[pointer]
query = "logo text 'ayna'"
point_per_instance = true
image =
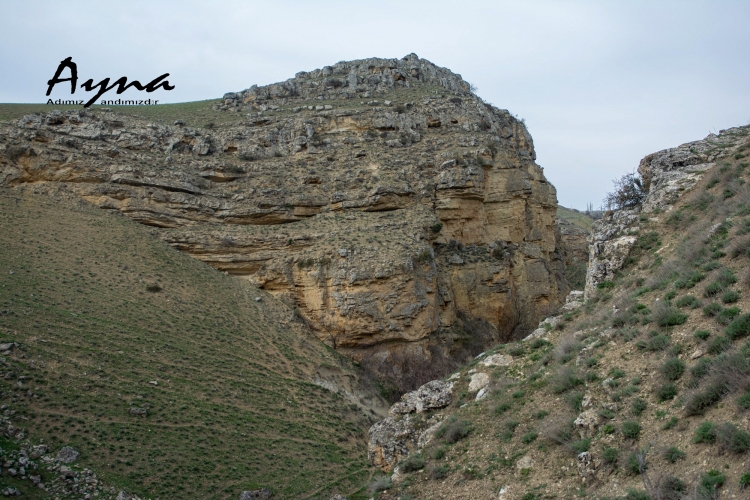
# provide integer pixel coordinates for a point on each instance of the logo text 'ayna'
(104, 86)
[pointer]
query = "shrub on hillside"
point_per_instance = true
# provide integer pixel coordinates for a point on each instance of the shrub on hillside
(739, 327)
(666, 315)
(731, 439)
(565, 379)
(673, 368)
(690, 301)
(629, 193)
(631, 429)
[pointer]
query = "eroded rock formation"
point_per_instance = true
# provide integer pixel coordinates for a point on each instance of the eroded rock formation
(403, 216)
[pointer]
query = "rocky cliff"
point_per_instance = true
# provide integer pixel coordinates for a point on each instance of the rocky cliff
(405, 218)
(666, 175)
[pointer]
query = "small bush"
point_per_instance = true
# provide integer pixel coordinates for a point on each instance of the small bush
(670, 424)
(559, 430)
(718, 345)
(730, 297)
(567, 349)
(502, 408)
(705, 433)
(529, 437)
(380, 484)
(671, 488)
(412, 463)
(608, 429)
(631, 430)
(710, 482)
(672, 369)
(456, 430)
(609, 455)
(673, 454)
(439, 471)
(541, 414)
(633, 464)
(657, 343)
(580, 446)
(633, 494)
(702, 401)
(727, 315)
(575, 400)
(744, 401)
(438, 453)
(616, 373)
(726, 277)
(666, 392)
(435, 228)
(688, 301)
(712, 309)
(739, 328)
(745, 480)
(713, 289)
(565, 379)
(701, 369)
(638, 406)
(701, 334)
(731, 439)
(665, 315)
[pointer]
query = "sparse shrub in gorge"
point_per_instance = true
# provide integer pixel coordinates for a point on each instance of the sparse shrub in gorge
(731, 439)
(578, 447)
(565, 379)
(727, 315)
(666, 315)
(633, 464)
(575, 400)
(744, 401)
(673, 454)
(730, 297)
(610, 455)
(439, 471)
(745, 480)
(412, 463)
(529, 437)
(638, 406)
(712, 309)
(718, 345)
(631, 430)
(670, 424)
(455, 431)
(666, 392)
(672, 369)
(656, 343)
(502, 408)
(671, 488)
(710, 482)
(633, 494)
(705, 433)
(713, 289)
(739, 328)
(702, 401)
(380, 484)
(688, 301)
(702, 334)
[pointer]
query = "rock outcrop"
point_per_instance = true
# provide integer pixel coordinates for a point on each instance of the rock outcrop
(404, 217)
(667, 175)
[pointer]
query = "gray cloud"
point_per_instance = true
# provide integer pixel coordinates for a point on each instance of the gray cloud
(600, 84)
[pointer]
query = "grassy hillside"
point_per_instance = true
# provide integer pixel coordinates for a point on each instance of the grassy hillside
(578, 219)
(655, 367)
(194, 114)
(110, 318)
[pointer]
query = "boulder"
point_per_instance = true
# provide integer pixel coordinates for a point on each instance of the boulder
(261, 494)
(390, 441)
(478, 381)
(432, 395)
(67, 455)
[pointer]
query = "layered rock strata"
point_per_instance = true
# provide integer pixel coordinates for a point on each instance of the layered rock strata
(405, 218)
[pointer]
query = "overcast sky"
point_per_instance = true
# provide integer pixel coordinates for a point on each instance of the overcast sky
(600, 84)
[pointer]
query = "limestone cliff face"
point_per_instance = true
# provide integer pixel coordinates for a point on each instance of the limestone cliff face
(403, 216)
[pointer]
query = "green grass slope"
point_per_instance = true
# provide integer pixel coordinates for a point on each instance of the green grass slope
(576, 218)
(102, 309)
